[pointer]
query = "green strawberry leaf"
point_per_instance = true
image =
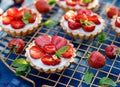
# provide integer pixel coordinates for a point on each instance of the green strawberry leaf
(87, 1)
(102, 37)
(61, 50)
(51, 2)
(107, 81)
(49, 23)
(88, 77)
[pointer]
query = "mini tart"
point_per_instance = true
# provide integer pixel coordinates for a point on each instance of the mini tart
(27, 29)
(40, 66)
(80, 33)
(115, 28)
(93, 5)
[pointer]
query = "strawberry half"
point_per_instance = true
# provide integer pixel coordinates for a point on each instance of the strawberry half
(71, 2)
(49, 60)
(73, 25)
(33, 18)
(7, 19)
(42, 40)
(17, 24)
(84, 11)
(69, 15)
(88, 28)
(96, 60)
(94, 18)
(117, 22)
(59, 41)
(49, 48)
(111, 51)
(12, 11)
(69, 53)
(36, 52)
(82, 17)
(16, 45)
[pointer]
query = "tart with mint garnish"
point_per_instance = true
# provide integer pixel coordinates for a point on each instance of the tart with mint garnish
(20, 22)
(50, 54)
(83, 23)
(77, 4)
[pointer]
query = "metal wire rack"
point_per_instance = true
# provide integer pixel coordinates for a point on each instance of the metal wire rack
(73, 75)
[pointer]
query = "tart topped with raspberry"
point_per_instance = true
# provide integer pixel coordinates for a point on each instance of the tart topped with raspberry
(115, 22)
(77, 4)
(19, 22)
(50, 53)
(83, 23)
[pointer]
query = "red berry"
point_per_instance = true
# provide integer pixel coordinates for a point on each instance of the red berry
(16, 45)
(36, 52)
(96, 60)
(49, 48)
(18, 2)
(7, 19)
(117, 22)
(49, 60)
(73, 25)
(112, 11)
(59, 41)
(42, 40)
(88, 28)
(94, 18)
(33, 18)
(70, 15)
(71, 2)
(82, 17)
(12, 11)
(111, 51)
(42, 6)
(17, 24)
(69, 53)
(84, 11)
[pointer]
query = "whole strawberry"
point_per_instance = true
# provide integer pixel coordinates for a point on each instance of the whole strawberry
(96, 60)
(16, 45)
(111, 51)
(18, 2)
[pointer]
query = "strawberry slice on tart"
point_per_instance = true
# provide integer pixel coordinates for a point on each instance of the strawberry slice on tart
(94, 18)
(117, 22)
(71, 2)
(70, 15)
(84, 11)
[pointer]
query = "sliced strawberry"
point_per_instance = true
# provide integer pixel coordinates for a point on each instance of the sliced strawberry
(20, 13)
(36, 52)
(33, 18)
(84, 11)
(88, 28)
(42, 40)
(49, 60)
(81, 3)
(69, 15)
(17, 24)
(119, 14)
(82, 17)
(69, 53)
(71, 2)
(73, 25)
(112, 11)
(49, 48)
(117, 22)
(7, 19)
(12, 11)
(94, 18)
(59, 41)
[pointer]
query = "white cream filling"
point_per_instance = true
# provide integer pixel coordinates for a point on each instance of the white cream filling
(80, 30)
(63, 3)
(26, 27)
(39, 64)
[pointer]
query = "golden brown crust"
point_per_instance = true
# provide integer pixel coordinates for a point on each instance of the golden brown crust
(79, 35)
(50, 70)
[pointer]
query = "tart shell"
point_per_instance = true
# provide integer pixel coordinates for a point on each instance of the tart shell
(49, 70)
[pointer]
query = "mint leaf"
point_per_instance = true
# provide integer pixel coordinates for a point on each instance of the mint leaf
(49, 23)
(102, 37)
(21, 68)
(51, 2)
(87, 1)
(25, 21)
(61, 50)
(88, 77)
(19, 73)
(86, 22)
(107, 81)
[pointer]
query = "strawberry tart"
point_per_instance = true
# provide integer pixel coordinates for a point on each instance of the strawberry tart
(83, 23)
(50, 54)
(77, 4)
(20, 22)
(116, 24)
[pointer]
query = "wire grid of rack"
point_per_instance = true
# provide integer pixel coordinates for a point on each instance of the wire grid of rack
(73, 75)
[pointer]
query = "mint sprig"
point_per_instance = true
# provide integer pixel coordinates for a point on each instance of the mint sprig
(21, 66)
(87, 1)
(102, 37)
(88, 77)
(107, 81)
(86, 22)
(51, 2)
(49, 23)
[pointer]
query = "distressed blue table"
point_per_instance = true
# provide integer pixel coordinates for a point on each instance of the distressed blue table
(72, 76)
